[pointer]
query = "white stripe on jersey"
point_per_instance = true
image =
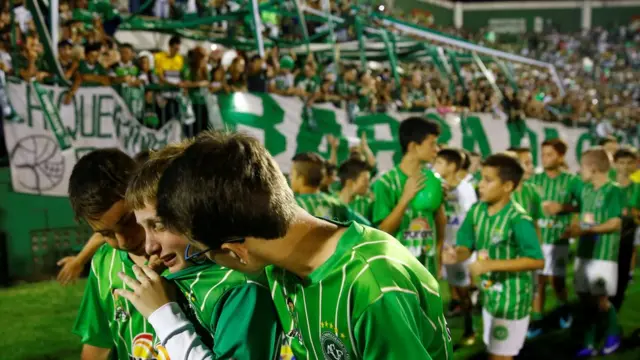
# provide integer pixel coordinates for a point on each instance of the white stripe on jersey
(384, 257)
(306, 315)
(93, 268)
(372, 242)
(344, 277)
(355, 280)
(397, 288)
(430, 290)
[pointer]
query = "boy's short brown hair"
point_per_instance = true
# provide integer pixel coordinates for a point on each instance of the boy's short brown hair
(143, 186)
(225, 185)
(598, 158)
(311, 167)
(557, 144)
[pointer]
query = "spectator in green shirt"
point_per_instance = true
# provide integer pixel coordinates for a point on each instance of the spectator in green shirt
(90, 72)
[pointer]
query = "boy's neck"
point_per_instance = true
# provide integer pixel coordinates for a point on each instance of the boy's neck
(622, 179)
(552, 172)
(521, 185)
(410, 165)
(346, 194)
(599, 179)
(452, 180)
(498, 205)
(308, 244)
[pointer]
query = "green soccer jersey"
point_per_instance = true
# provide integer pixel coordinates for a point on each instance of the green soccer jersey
(309, 85)
(370, 300)
(87, 69)
(121, 69)
(347, 89)
(236, 310)
(363, 205)
(84, 68)
(529, 198)
(631, 198)
(505, 235)
(597, 206)
(414, 95)
(563, 189)
(107, 321)
(417, 228)
(328, 207)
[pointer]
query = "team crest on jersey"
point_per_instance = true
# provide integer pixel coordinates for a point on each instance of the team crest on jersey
(500, 332)
(332, 347)
(143, 348)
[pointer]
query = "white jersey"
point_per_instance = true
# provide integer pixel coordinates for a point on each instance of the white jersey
(457, 204)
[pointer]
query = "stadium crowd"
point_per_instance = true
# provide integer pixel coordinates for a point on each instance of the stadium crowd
(598, 68)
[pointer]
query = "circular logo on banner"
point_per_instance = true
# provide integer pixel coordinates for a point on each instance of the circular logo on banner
(332, 347)
(500, 332)
(37, 162)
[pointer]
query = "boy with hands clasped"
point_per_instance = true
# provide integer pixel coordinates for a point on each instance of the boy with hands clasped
(508, 252)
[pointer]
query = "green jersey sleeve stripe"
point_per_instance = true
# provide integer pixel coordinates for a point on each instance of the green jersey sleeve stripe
(306, 314)
(349, 292)
(399, 289)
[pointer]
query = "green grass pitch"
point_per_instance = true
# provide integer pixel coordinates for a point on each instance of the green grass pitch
(37, 320)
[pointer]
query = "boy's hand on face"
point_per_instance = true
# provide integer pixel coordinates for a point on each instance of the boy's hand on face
(149, 291)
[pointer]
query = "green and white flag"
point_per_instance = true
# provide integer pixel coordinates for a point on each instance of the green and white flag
(52, 117)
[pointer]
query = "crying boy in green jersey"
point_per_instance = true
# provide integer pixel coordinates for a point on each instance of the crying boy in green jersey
(508, 251)
(342, 291)
(234, 308)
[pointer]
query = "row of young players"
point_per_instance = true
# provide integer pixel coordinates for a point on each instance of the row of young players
(549, 199)
(599, 208)
(309, 254)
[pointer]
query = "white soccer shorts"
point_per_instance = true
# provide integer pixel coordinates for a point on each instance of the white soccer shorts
(504, 337)
(556, 258)
(458, 274)
(596, 277)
